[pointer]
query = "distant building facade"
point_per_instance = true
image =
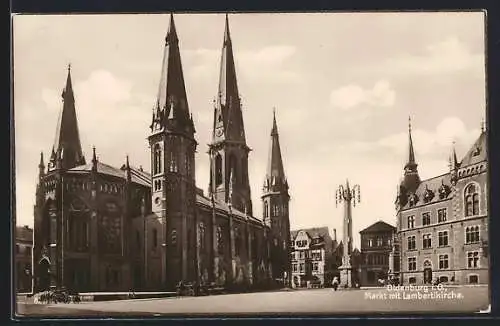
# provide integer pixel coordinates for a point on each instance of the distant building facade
(311, 257)
(376, 246)
(23, 258)
(442, 222)
(104, 228)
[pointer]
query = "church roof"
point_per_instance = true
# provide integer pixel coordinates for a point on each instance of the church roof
(223, 207)
(379, 226)
(139, 177)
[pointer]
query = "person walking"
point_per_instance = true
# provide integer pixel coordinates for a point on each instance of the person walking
(335, 283)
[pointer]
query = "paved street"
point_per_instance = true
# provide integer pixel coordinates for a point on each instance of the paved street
(322, 301)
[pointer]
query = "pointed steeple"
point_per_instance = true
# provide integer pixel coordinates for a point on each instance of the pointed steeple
(67, 147)
(411, 178)
(275, 175)
(228, 116)
(127, 169)
(411, 164)
(41, 166)
(94, 159)
(453, 158)
(171, 110)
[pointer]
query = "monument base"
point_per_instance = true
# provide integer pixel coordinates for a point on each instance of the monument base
(345, 276)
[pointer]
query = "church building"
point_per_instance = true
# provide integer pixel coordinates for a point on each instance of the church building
(104, 228)
(442, 222)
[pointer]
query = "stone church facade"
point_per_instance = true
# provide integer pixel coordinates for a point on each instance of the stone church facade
(104, 228)
(442, 222)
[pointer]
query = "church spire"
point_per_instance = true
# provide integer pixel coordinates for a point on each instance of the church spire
(228, 122)
(171, 110)
(411, 164)
(67, 147)
(411, 177)
(275, 175)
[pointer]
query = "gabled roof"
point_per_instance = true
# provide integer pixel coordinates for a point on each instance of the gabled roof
(312, 232)
(477, 153)
(379, 226)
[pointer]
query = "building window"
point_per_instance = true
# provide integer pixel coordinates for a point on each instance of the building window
(173, 162)
(155, 238)
(294, 268)
(426, 218)
(412, 280)
(471, 200)
(441, 215)
(426, 241)
(412, 263)
(473, 259)
(18, 249)
(412, 243)
(301, 267)
(473, 279)
(266, 209)
(315, 267)
(443, 262)
(187, 165)
(370, 242)
(218, 170)
(379, 242)
(28, 251)
(157, 159)
(443, 238)
(472, 234)
(411, 222)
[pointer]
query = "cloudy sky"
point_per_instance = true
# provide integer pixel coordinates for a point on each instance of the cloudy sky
(343, 85)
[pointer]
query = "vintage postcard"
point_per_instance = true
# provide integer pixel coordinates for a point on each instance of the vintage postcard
(250, 164)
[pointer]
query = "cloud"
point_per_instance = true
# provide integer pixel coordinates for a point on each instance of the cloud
(348, 97)
(448, 56)
(434, 142)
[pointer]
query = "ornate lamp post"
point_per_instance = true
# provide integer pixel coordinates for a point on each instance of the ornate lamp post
(347, 195)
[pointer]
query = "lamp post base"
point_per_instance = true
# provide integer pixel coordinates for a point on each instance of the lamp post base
(346, 276)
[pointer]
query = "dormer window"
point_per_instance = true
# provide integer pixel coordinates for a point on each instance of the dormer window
(477, 151)
(413, 199)
(428, 195)
(444, 191)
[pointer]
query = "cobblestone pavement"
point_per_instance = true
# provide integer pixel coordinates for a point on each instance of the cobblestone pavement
(320, 301)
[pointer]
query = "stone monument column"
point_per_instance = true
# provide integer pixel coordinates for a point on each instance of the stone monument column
(348, 196)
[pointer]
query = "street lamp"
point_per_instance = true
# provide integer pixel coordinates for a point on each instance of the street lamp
(347, 195)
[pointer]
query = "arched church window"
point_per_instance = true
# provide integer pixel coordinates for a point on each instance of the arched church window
(157, 159)
(187, 164)
(244, 170)
(201, 235)
(237, 241)
(233, 169)
(218, 170)
(220, 239)
(266, 209)
(173, 162)
(471, 200)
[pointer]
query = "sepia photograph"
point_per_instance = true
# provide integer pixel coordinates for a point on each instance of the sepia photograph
(250, 164)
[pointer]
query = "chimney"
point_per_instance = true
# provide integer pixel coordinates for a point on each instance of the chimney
(334, 234)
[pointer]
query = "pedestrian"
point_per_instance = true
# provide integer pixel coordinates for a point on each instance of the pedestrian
(335, 283)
